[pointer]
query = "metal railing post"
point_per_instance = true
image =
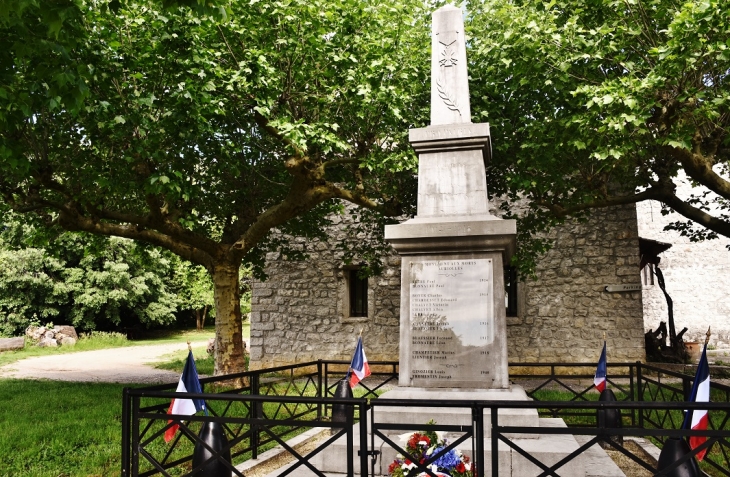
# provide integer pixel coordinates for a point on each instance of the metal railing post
(495, 445)
(126, 444)
(320, 391)
(135, 436)
(631, 393)
(350, 442)
(639, 393)
(364, 449)
(256, 410)
(686, 388)
(478, 427)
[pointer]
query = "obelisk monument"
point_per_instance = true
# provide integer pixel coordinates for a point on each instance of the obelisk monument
(452, 323)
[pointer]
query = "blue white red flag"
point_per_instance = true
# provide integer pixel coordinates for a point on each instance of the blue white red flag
(698, 419)
(600, 377)
(359, 368)
(189, 383)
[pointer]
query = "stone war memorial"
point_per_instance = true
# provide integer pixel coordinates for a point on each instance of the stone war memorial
(453, 339)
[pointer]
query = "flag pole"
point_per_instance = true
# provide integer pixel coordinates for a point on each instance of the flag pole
(349, 368)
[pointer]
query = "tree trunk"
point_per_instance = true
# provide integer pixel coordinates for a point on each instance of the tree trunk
(200, 316)
(228, 337)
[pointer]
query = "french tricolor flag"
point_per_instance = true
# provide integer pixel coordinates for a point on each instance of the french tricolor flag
(359, 368)
(600, 377)
(189, 383)
(700, 393)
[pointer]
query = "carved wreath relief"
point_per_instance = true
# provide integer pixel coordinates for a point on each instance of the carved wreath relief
(448, 59)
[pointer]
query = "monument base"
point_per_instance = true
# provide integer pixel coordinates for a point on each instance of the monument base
(456, 416)
(548, 449)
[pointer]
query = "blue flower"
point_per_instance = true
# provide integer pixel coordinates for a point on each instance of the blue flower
(447, 461)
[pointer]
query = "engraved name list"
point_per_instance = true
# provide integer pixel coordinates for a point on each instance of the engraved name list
(451, 319)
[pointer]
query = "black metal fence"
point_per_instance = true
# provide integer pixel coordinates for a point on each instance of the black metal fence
(265, 408)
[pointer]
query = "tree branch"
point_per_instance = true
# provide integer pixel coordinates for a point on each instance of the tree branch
(719, 226)
(562, 212)
(73, 221)
(699, 169)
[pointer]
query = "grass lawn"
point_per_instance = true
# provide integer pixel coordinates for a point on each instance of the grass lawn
(59, 429)
(65, 429)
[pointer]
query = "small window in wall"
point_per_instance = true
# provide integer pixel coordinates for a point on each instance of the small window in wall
(358, 294)
(510, 290)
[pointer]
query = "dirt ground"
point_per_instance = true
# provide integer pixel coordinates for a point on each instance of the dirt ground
(130, 364)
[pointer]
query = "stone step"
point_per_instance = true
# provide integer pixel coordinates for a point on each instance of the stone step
(548, 449)
(456, 416)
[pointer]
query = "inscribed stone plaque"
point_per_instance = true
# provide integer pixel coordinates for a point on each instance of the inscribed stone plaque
(451, 321)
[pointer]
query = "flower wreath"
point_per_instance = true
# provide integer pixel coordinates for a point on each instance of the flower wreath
(423, 445)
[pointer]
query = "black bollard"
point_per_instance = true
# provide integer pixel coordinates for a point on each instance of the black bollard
(342, 412)
(609, 418)
(212, 434)
(673, 450)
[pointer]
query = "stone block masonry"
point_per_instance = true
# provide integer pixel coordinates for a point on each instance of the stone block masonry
(299, 313)
(564, 312)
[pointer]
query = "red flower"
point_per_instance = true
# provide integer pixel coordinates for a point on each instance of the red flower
(413, 442)
(393, 466)
(460, 468)
(422, 461)
(408, 462)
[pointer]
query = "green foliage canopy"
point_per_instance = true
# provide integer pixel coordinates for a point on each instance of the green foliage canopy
(606, 102)
(200, 134)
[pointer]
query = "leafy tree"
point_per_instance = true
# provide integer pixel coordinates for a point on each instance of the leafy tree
(200, 135)
(32, 289)
(89, 282)
(122, 286)
(195, 288)
(606, 102)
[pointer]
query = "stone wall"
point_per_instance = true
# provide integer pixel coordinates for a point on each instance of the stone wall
(564, 313)
(697, 277)
(300, 314)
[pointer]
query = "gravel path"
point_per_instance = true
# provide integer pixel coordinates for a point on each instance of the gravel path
(116, 365)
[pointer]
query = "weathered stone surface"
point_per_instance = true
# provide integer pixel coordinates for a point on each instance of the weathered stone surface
(449, 80)
(35, 333)
(562, 317)
(453, 322)
(58, 335)
(210, 349)
(48, 343)
(299, 314)
(9, 344)
(66, 341)
(66, 330)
